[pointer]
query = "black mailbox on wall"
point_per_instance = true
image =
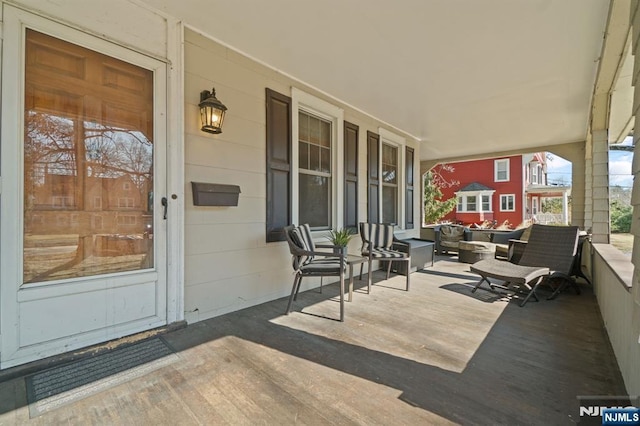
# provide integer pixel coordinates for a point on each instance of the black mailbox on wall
(214, 194)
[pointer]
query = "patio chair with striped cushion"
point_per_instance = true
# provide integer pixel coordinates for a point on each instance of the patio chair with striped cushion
(379, 243)
(307, 261)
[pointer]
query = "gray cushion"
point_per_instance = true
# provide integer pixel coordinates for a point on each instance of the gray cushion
(385, 253)
(301, 236)
(450, 233)
(377, 234)
(323, 266)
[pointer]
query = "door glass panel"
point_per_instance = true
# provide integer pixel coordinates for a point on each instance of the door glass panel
(88, 163)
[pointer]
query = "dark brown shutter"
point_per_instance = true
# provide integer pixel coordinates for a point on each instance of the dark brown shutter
(351, 176)
(373, 176)
(278, 164)
(409, 188)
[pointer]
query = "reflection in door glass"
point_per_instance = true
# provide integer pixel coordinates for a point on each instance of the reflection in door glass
(88, 165)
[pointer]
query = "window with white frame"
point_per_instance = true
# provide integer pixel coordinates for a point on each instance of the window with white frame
(126, 220)
(389, 183)
(314, 170)
(501, 168)
(126, 202)
(541, 175)
(486, 203)
(471, 204)
(317, 172)
(534, 173)
(507, 202)
(62, 201)
(392, 188)
(474, 202)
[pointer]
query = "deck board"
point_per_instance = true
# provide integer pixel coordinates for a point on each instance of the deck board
(437, 354)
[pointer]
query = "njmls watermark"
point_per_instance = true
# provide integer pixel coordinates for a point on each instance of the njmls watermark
(609, 410)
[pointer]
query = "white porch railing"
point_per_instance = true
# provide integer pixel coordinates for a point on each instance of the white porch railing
(547, 218)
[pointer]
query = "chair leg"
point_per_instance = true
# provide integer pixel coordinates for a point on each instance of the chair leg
(298, 288)
(408, 271)
(389, 269)
(293, 293)
(361, 265)
(566, 279)
(321, 284)
(369, 278)
(532, 292)
(342, 296)
(479, 283)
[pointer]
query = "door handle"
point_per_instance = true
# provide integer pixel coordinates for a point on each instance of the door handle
(164, 207)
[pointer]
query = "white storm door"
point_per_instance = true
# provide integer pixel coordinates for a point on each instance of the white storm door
(83, 230)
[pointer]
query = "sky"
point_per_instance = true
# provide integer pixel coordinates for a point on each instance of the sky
(559, 169)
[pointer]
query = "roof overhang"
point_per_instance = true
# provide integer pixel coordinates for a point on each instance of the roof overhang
(548, 190)
(462, 77)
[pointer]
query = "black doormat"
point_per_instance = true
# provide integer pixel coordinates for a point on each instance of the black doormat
(58, 386)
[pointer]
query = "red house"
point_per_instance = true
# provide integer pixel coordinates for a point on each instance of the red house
(502, 189)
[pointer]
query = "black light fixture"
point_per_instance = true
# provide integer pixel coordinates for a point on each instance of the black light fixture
(211, 112)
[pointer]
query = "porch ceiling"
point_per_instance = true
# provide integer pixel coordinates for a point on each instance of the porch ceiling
(464, 77)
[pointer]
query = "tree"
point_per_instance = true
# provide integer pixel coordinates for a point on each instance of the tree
(621, 215)
(434, 207)
(552, 205)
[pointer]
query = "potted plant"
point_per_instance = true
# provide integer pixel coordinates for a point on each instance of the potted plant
(340, 239)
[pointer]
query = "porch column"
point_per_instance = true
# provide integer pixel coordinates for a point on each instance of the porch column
(579, 153)
(588, 191)
(635, 166)
(600, 189)
(565, 208)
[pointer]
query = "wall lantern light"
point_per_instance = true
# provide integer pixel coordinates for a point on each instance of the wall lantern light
(211, 112)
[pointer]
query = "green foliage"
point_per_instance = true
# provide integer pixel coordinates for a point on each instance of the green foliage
(340, 237)
(621, 215)
(552, 205)
(434, 207)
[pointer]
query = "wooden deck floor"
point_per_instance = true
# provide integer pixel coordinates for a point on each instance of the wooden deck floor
(435, 355)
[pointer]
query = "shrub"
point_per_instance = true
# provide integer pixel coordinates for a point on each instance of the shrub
(621, 217)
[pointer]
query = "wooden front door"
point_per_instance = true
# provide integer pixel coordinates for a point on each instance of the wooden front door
(86, 260)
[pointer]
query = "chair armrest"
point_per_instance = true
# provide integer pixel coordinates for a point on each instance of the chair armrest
(300, 252)
(401, 246)
(504, 237)
(399, 242)
(325, 245)
(327, 254)
(516, 248)
(517, 241)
